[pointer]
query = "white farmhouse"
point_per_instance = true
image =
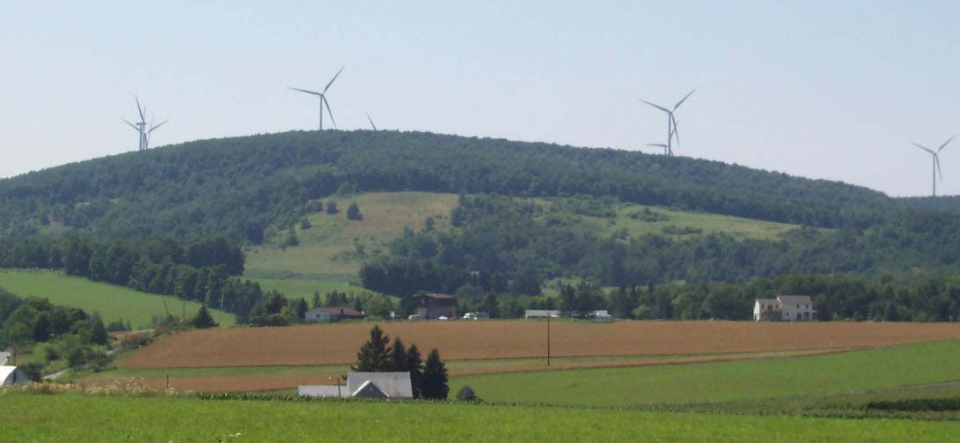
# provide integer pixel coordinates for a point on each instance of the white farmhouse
(784, 308)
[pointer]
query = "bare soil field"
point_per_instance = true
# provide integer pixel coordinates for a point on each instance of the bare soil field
(337, 344)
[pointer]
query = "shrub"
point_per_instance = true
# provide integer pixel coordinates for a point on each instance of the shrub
(466, 394)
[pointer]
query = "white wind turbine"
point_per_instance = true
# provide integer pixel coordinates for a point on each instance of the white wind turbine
(936, 161)
(323, 99)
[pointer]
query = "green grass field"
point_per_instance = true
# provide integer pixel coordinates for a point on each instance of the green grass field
(714, 382)
(737, 227)
(112, 302)
(76, 417)
(329, 247)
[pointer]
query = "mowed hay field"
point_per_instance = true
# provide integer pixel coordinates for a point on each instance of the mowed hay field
(337, 344)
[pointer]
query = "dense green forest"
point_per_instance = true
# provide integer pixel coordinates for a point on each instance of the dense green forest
(500, 239)
(238, 186)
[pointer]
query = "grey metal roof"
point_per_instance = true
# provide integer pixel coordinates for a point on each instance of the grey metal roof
(322, 391)
(392, 384)
(794, 299)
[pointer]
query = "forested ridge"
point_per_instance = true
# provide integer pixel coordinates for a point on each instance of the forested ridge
(237, 186)
(171, 220)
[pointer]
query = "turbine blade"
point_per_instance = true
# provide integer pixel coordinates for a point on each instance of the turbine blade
(659, 145)
(937, 159)
(332, 80)
(139, 109)
(656, 106)
(131, 124)
(924, 148)
(371, 121)
(683, 100)
(329, 112)
(153, 128)
(944, 145)
(304, 90)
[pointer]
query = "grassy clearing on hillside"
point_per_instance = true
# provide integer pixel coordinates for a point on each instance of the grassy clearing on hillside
(112, 302)
(711, 382)
(639, 220)
(304, 286)
(74, 417)
(329, 247)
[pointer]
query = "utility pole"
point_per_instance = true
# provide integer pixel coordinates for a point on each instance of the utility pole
(548, 339)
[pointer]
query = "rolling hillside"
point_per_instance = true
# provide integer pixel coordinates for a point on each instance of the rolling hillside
(112, 302)
(523, 213)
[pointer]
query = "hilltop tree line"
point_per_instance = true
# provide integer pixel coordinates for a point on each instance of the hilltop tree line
(238, 187)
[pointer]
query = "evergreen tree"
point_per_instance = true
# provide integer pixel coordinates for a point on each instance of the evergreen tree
(414, 364)
(399, 354)
(353, 212)
(98, 332)
(373, 355)
(434, 384)
(203, 320)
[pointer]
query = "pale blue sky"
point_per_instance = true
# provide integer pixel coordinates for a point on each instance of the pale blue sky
(821, 89)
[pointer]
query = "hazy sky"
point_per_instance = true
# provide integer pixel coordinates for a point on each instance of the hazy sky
(822, 89)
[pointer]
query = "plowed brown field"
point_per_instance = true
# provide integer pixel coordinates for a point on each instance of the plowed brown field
(470, 340)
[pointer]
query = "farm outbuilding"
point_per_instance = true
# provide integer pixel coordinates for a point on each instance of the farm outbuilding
(434, 306)
(365, 385)
(12, 376)
(332, 314)
(541, 313)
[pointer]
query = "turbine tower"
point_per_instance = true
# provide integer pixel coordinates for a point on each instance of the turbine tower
(671, 122)
(142, 128)
(323, 99)
(936, 161)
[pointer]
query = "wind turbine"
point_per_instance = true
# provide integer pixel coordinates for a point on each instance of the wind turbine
(936, 161)
(371, 121)
(141, 127)
(323, 99)
(671, 122)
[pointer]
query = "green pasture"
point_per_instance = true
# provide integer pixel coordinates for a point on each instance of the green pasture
(737, 227)
(112, 302)
(304, 286)
(77, 417)
(333, 248)
(727, 381)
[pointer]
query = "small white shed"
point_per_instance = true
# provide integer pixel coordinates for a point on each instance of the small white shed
(12, 376)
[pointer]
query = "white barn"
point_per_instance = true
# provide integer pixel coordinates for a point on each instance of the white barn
(12, 376)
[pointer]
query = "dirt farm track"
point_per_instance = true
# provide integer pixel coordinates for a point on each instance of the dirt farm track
(337, 344)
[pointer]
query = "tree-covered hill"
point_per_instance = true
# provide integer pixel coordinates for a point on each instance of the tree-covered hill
(237, 186)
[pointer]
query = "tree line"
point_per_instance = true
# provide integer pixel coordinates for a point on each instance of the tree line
(511, 245)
